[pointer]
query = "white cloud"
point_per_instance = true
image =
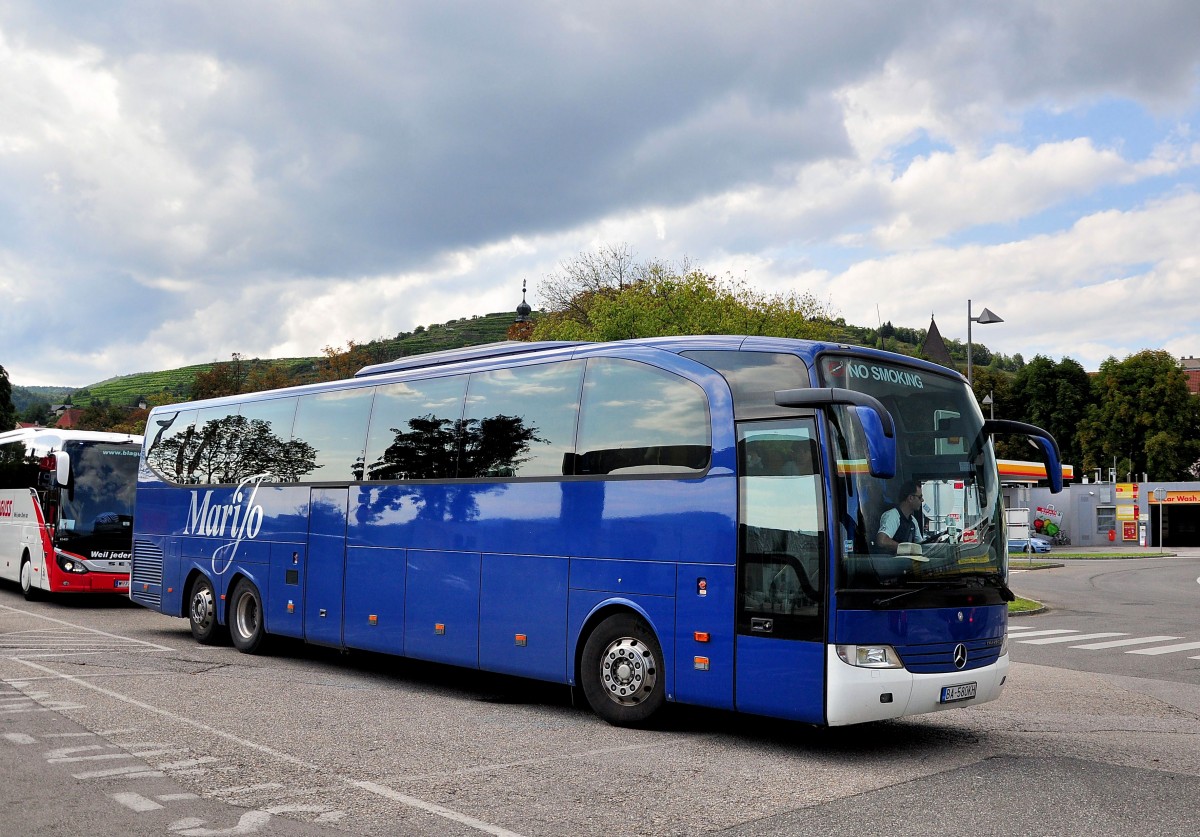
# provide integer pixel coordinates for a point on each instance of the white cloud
(194, 180)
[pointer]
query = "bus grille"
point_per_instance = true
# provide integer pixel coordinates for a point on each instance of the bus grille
(938, 658)
(146, 569)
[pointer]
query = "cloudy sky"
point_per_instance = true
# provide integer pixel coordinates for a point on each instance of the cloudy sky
(180, 181)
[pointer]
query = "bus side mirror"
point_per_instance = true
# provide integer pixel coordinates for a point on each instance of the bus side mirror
(881, 447)
(62, 468)
(1041, 439)
(879, 429)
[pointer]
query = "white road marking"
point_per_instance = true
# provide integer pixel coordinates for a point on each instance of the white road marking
(136, 802)
(1046, 633)
(250, 822)
(94, 631)
(1166, 649)
(369, 787)
(19, 738)
(1120, 643)
(1051, 640)
(132, 771)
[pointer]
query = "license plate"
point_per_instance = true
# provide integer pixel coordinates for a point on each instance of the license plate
(963, 691)
(120, 583)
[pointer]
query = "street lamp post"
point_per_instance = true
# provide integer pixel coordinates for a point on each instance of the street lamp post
(985, 318)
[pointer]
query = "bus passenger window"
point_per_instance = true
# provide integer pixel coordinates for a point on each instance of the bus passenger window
(171, 438)
(334, 425)
(414, 430)
(520, 422)
(637, 419)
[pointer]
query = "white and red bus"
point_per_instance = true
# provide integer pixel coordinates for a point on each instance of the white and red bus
(66, 509)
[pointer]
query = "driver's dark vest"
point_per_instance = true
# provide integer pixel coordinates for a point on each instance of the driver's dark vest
(906, 532)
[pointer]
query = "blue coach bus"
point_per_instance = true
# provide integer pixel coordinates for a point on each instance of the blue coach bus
(683, 519)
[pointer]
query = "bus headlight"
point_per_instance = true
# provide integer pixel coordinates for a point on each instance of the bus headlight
(869, 656)
(70, 564)
(1004, 644)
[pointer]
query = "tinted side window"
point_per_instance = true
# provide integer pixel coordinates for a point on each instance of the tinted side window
(414, 430)
(16, 469)
(171, 438)
(334, 425)
(753, 377)
(520, 422)
(640, 419)
(229, 447)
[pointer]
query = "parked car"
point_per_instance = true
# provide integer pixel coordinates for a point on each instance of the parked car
(1039, 544)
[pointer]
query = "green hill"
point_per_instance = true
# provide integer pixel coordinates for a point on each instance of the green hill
(125, 390)
(175, 384)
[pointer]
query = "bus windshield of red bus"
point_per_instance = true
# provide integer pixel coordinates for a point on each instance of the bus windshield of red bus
(98, 501)
(939, 517)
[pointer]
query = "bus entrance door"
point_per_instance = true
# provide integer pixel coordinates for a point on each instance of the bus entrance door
(324, 581)
(780, 669)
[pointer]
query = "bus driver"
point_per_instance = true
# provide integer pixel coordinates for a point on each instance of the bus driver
(902, 522)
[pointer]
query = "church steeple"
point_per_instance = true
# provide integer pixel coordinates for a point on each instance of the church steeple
(524, 309)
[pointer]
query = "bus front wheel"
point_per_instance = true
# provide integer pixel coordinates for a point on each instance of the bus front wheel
(246, 618)
(27, 588)
(621, 671)
(202, 613)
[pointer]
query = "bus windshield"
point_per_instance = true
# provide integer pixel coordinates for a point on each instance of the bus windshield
(98, 501)
(945, 483)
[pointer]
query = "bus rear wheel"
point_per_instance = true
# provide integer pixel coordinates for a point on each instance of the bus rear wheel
(202, 613)
(246, 627)
(621, 671)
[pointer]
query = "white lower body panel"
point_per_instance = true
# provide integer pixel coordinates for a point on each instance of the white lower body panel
(857, 695)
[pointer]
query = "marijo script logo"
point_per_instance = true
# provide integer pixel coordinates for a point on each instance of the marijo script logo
(240, 519)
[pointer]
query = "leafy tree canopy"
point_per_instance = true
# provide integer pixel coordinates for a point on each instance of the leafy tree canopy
(8, 417)
(1144, 416)
(607, 296)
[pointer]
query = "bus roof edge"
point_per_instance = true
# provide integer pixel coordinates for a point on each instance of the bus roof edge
(487, 350)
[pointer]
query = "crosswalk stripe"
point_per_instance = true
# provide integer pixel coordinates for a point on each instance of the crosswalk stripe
(1047, 633)
(1050, 640)
(1166, 649)
(1119, 643)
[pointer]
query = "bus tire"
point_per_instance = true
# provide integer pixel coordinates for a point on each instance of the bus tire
(202, 613)
(622, 671)
(28, 590)
(246, 627)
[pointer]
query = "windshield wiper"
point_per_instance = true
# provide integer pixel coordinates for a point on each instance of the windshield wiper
(920, 586)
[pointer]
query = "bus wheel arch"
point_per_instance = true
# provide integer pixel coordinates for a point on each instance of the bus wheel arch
(201, 607)
(245, 617)
(28, 588)
(621, 667)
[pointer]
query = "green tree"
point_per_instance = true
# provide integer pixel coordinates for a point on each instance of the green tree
(340, 365)
(607, 297)
(8, 417)
(1144, 416)
(218, 380)
(38, 412)
(1055, 396)
(266, 376)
